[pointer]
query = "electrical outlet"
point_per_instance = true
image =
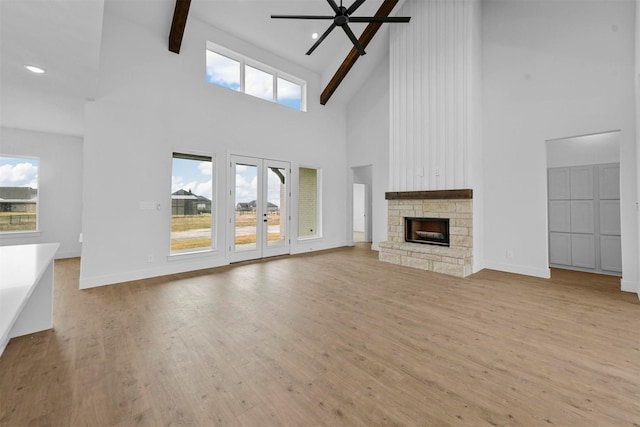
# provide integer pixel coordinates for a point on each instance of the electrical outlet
(149, 258)
(509, 254)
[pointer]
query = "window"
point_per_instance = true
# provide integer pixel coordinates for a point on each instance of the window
(308, 203)
(191, 195)
(223, 71)
(234, 71)
(18, 194)
(289, 94)
(258, 83)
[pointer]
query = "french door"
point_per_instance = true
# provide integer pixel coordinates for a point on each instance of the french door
(259, 214)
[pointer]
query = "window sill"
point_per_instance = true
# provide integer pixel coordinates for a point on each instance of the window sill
(19, 234)
(192, 255)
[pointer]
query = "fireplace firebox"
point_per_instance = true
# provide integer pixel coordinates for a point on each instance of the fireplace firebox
(429, 231)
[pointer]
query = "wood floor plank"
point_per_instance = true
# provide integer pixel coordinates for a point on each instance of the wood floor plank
(333, 338)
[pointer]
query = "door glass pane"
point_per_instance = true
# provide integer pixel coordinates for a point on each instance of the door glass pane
(246, 204)
(258, 83)
(276, 207)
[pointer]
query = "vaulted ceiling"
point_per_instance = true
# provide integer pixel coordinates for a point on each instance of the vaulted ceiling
(64, 37)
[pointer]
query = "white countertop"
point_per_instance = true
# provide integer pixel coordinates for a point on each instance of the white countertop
(21, 267)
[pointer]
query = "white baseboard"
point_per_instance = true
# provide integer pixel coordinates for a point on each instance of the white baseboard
(164, 270)
(311, 245)
(68, 254)
(630, 286)
(543, 273)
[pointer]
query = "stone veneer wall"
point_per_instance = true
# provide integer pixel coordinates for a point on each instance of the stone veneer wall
(455, 260)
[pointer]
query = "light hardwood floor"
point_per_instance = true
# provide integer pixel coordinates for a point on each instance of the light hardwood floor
(331, 338)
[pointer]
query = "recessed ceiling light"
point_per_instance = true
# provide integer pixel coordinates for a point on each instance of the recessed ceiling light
(314, 36)
(34, 69)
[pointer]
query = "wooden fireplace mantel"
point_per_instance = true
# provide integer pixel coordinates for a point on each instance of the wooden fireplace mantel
(430, 195)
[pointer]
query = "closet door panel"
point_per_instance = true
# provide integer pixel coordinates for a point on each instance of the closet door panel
(610, 253)
(560, 216)
(582, 182)
(583, 252)
(609, 181)
(610, 217)
(559, 184)
(582, 216)
(560, 248)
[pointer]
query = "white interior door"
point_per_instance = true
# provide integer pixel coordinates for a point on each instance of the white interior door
(359, 213)
(259, 214)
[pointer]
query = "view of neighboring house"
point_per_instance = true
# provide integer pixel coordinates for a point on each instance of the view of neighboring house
(18, 199)
(251, 207)
(184, 202)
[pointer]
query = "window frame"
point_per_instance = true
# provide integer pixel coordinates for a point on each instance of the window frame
(213, 247)
(26, 233)
(274, 72)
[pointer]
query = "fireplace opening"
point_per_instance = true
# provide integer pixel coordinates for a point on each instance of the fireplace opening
(429, 231)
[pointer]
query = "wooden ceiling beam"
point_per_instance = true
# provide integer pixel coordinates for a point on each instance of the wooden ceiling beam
(178, 24)
(368, 33)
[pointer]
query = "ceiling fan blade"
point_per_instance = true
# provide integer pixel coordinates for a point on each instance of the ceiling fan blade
(356, 4)
(334, 6)
(300, 17)
(379, 19)
(354, 40)
(322, 37)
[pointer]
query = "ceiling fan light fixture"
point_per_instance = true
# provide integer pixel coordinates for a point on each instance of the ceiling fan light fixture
(34, 69)
(341, 18)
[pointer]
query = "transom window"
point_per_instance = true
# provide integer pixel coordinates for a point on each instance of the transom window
(236, 72)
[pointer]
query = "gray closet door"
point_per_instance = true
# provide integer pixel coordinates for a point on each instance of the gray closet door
(609, 192)
(584, 217)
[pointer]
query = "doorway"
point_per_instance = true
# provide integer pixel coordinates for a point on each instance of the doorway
(361, 219)
(583, 178)
(259, 214)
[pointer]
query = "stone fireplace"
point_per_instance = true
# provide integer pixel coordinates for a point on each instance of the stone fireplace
(430, 230)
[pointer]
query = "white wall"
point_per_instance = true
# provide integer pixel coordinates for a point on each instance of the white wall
(433, 66)
(552, 69)
(153, 102)
(368, 143)
(584, 150)
(59, 187)
(638, 120)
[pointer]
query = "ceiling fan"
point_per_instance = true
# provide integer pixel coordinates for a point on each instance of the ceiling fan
(341, 19)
